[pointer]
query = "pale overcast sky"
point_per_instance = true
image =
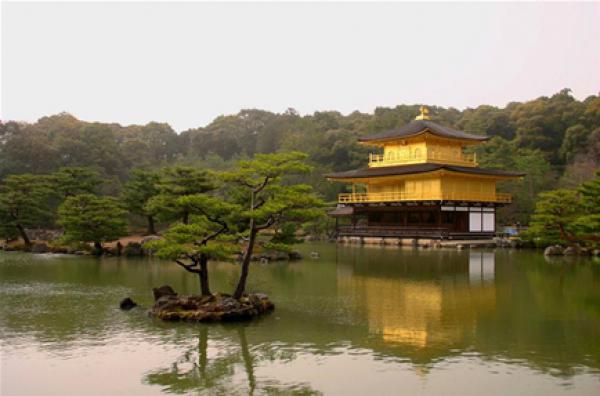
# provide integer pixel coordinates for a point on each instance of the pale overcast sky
(186, 63)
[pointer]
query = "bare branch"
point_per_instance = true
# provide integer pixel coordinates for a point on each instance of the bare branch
(270, 221)
(215, 234)
(188, 267)
(258, 205)
(262, 185)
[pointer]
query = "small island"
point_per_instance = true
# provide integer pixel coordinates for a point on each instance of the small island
(170, 306)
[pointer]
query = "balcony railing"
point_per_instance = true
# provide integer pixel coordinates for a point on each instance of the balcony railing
(376, 160)
(407, 196)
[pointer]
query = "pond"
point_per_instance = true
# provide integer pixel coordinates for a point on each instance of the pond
(356, 320)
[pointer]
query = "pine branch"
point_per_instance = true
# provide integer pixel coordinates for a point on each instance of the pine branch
(262, 185)
(188, 267)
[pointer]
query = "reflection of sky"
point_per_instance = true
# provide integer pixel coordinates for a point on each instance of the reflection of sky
(118, 368)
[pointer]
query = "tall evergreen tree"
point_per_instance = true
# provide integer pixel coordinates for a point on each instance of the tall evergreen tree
(89, 218)
(176, 182)
(139, 189)
(23, 203)
(69, 181)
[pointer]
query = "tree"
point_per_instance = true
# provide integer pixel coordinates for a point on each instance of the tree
(259, 186)
(141, 187)
(23, 203)
(541, 123)
(89, 218)
(69, 181)
(487, 120)
(192, 245)
(176, 182)
(255, 196)
(555, 214)
(588, 223)
(500, 153)
(148, 145)
(574, 142)
(24, 151)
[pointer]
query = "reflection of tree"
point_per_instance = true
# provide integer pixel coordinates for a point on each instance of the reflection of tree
(195, 371)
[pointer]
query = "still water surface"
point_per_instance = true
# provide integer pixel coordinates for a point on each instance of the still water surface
(358, 320)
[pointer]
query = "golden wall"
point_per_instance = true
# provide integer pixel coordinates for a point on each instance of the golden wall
(422, 149)
(435, 187)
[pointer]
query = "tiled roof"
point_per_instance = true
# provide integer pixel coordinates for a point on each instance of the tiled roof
(418, 126)
(417, 168)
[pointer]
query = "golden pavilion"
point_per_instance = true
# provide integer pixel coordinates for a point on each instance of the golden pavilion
(422, 185)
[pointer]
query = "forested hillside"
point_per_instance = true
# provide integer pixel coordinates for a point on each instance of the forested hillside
(556, 140)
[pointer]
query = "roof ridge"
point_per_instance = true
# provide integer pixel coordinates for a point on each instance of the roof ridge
(417, 127)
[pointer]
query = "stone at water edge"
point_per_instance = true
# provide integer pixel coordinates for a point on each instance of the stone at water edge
(127, 304)
(150, 238)
(162, 291)
(133, 249)
(555, 250)
(294, 255)
(39, 247)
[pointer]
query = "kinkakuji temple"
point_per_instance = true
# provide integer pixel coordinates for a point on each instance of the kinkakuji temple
(423, 185)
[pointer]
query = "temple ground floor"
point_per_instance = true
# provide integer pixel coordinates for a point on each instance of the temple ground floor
(441, 220)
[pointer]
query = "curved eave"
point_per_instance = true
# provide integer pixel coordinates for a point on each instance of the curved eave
(419, 127)
(369, 174)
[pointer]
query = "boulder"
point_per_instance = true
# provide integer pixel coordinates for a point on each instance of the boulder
(555, 250)
(110, 251)
(59, 249)
(515, 243)
(127, 304)
(133, 249)
(162, 291)
(150, 238)
(572, 251)
(271, 255)
(39, 247)
(294, 255)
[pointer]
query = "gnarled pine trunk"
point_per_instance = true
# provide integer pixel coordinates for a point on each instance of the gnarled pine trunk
(151, 230)
(23, 234)
(203, 275)
(241, 287)
(98, 248)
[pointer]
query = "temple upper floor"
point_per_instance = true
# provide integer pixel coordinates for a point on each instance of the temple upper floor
(422, 149)
(422, 141)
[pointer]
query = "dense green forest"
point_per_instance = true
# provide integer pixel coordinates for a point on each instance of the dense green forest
(555, 139)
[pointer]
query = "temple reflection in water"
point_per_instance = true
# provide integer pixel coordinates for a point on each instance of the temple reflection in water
(429, 301)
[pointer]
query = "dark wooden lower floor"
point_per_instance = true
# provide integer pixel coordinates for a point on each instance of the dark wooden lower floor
(409, 232)
(414, 221)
